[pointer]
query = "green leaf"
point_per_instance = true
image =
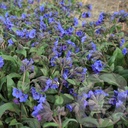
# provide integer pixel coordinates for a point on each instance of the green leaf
(44, 71)
(117, 58)
(65, 122)
(69, 96)
(59, 100)
(9, 58)
(71, 81)
(106, 123)
(22, 52)
(33, 123)
(8, 106)
(88, 121)
(114, 79)
(10, 84)
(1, 123)
(14, 122)
(50, 124)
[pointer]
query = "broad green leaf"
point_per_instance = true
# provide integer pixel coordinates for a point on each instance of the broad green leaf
(117, 58)
(10, 84)
(44, 71)
(69, 96)
(71, 81)
(65, 122)
(88, 121)
(22, 52)
(14, 122)
(59, 100)
(33, 123)
(114, 79)
(8, 106)
(1, 123)
(9, 58)
(14, 75)
(50, 124)
(106, 123)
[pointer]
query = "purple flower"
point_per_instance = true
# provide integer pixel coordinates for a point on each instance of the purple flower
(97, 66)
(124, 51)
(17, 93)
(10, 42)
(1, 62)
(32, 33)
(23, 97)
(39, 117)
(16, 101)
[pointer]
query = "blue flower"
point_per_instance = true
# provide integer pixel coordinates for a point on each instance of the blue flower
(122, 96)
(75, 22)
(83, 39)
(42, 99)
(100, 92)
(93, 46)
(54, 86)
(23, 16)
(23, 97)
(122, 42)
(42, 8)
(79, 33)
(119, 104)
(10, 42)
(32, 33)
(86, 14)
(124, 51)
(30, 1)
(97, 66)
(35, 95)
(1, 62)
(89, 6)
(69, 107)
(17, 93)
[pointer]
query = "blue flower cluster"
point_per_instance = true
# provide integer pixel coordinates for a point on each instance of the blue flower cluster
(17, 93)
(41, 100)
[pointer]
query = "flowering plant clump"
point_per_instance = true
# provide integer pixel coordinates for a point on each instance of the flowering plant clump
(57, 69)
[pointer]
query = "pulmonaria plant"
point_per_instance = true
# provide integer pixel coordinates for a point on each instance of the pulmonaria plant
(64, 71)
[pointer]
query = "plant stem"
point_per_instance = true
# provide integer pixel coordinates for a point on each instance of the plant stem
(60, 123)
(24, 77)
